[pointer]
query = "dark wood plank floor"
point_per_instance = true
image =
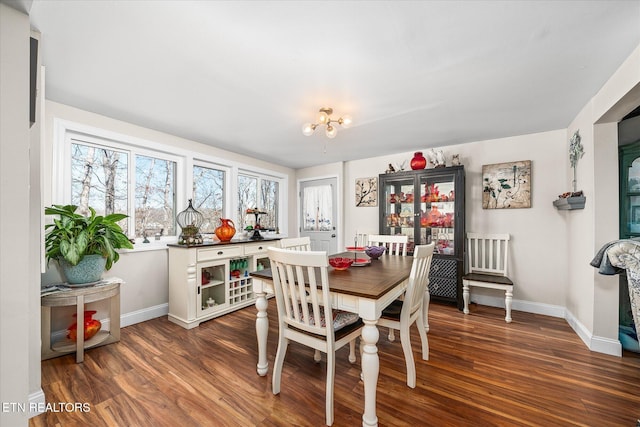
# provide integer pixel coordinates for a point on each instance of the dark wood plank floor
(482, 372)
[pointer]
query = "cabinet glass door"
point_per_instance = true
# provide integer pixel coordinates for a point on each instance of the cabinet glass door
(437, 212)
(398, 215)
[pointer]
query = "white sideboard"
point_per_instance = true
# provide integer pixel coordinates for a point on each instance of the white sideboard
(209, 280)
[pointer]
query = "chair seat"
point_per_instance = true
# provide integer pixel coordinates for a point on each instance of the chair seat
(340, 318)
(393, 310)
(338, 334)
(488, 278)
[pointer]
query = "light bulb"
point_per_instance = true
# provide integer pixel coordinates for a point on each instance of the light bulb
(323, 118)
(331, 131)
(308, 128)
(345, 121)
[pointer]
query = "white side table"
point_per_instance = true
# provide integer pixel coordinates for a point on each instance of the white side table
(79, 297)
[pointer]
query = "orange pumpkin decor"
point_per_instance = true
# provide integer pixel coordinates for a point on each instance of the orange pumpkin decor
(91, 326)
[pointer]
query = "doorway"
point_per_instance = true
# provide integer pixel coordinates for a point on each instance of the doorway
(318, 214)
(629, 190)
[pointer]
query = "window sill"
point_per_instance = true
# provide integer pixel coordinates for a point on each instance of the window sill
(145, 247)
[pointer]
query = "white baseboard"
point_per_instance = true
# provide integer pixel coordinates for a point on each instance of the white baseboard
(36, 403)
(520, 305)
(594, 343)
(143, 315)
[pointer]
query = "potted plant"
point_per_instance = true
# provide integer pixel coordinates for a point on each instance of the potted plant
(84, 246)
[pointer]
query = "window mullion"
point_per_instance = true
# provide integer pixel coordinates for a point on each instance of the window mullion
(131, 194)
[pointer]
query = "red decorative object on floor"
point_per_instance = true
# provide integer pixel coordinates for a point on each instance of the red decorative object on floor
(418, 161)
(91, 326)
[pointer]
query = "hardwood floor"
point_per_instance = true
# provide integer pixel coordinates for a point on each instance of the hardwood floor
(482, 372)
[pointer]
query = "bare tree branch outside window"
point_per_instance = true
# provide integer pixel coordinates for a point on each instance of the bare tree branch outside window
(99, 178)
(247, 199)
(155, 196)
(208, 196)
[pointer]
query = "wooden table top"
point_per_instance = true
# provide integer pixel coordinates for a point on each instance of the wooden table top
(371, 281)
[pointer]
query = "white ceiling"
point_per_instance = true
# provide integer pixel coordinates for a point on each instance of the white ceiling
(245, 76)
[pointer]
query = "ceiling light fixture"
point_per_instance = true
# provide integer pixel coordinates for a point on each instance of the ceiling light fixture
(325, 119)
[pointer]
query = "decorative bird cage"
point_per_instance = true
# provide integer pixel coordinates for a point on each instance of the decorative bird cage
(190, 221)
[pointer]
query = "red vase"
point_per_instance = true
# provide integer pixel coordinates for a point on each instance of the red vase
(91, 326)
(226, 230)
(434, 216)
(418, 161)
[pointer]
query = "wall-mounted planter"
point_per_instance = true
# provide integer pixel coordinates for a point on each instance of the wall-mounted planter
(570, 203)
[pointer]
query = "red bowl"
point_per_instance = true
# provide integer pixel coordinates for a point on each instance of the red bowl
(340, 263)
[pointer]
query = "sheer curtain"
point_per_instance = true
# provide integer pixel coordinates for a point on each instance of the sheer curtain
(317, 208)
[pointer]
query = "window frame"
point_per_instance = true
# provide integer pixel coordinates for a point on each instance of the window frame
(65, 131)
(203, 162)
(259, 178)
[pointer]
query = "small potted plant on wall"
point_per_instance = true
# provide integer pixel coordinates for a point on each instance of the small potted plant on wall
(83, 246)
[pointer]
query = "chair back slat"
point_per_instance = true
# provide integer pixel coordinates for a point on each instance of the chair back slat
(395, 244)
(301, 286)
(488, 253)
(296, 243)
(418, 279)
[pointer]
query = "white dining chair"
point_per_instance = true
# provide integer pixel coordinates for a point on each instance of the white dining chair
(488, 262)
(305, 316)
(413, 309)
(395, 244)
(300, 244)
(296, 243)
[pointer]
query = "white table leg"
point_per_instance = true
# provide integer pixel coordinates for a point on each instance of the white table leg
(262, 330)
(370, 369)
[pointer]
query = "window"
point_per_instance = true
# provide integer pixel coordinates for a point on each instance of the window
(208, 196)
(261, 192)
(155, 197)
(318, 208)
(118, 179)
(150, 182)
(269, 195)
(99, 179)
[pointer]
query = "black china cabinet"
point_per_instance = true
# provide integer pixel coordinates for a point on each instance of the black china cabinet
(428, 206)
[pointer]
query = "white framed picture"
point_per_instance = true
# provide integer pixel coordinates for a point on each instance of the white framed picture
(367, 192)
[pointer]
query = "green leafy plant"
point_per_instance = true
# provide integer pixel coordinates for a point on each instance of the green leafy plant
(72, 236)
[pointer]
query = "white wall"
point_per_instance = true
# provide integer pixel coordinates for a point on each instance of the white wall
(537, 232)
(16, 265)
(593, 298)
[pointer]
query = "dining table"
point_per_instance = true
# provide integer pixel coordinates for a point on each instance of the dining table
(366, 290)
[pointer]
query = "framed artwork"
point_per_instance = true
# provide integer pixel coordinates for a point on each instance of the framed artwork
(506, 185)
(366, 192)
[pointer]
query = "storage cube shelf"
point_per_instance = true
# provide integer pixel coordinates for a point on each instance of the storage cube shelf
(210, 280)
